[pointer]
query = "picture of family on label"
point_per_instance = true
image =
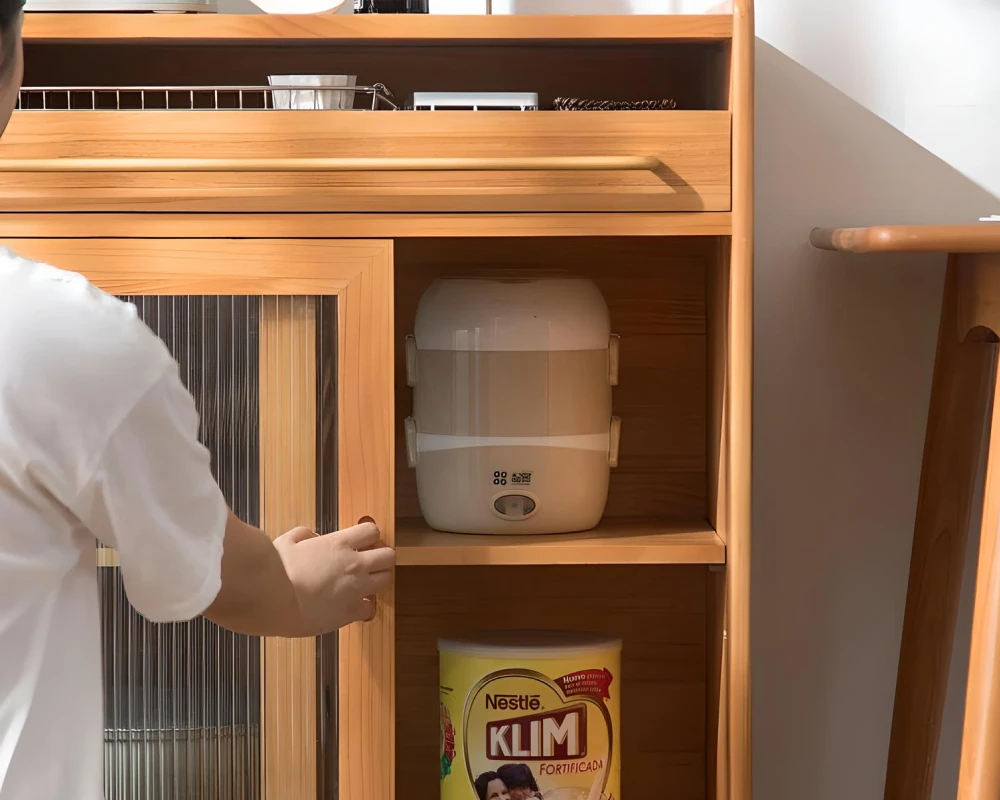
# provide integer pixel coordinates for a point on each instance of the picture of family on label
(516, 782)
(510, 782)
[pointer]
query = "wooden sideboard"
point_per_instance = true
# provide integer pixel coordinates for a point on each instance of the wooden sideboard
(361, 210)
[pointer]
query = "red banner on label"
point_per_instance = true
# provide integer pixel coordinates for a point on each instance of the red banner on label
(593, 682)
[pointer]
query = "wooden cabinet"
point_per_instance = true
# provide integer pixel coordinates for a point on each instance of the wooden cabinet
(281, 255)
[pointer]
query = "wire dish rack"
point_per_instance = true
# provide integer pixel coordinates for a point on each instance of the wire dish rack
(184, 98)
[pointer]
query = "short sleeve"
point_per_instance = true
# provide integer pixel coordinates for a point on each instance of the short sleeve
(153, 497)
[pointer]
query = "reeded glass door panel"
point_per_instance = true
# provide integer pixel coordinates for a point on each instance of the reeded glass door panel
(185, 703)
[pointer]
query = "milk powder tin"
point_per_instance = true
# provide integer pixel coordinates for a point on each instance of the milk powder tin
(530, 716)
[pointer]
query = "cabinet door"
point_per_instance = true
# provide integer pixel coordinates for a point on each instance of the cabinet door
(286, 346)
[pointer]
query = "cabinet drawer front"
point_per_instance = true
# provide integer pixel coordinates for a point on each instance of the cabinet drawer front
(367, 162)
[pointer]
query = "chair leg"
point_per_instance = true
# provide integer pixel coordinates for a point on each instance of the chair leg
(960, 401)
(979, 771)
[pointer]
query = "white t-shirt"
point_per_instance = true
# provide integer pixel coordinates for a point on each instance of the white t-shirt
(98, 439)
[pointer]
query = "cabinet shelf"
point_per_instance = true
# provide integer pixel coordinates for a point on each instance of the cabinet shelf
(382, 28)
(615, 541)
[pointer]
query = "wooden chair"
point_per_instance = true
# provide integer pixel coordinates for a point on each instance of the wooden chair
(963, 401)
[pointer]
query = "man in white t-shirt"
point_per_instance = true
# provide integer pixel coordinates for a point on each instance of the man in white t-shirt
(98, 438)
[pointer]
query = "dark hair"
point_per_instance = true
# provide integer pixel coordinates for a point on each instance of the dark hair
(483, 783)
(10, 23)
(10, 16)
(10, 10)
(517, 776)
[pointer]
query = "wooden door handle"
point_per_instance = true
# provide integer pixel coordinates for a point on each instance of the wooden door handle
(490, 164)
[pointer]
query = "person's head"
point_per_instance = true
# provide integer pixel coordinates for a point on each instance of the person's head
(490, 787)
(11, 57)
(519, 780)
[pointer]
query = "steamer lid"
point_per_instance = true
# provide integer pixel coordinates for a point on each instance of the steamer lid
(512, 315)
(529, 644)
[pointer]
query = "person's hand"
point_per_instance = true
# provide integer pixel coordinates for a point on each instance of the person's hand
(335, 576)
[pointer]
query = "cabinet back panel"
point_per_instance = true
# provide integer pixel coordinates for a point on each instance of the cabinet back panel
(690, 74)
(659, 613)
(655, 290)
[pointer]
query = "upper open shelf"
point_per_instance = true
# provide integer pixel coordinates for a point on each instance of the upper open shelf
(383, 28)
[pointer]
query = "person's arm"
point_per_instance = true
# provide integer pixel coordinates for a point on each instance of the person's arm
(152, 496)
(256, 595)
(301, 584)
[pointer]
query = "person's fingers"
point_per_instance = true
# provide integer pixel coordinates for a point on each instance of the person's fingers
(296, 535)
(379, 559)
(364, 521)
(364, 611)
(360, 537)
(377, 582)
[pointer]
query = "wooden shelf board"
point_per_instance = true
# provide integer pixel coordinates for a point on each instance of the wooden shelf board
(615, 541)
(362, 226)
(96, 27)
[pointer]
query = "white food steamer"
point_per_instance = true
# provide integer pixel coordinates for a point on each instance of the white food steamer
(512, 430)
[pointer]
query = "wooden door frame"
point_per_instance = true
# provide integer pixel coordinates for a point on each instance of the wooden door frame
(359, 274)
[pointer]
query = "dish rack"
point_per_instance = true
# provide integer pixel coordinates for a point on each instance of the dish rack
(177, 98)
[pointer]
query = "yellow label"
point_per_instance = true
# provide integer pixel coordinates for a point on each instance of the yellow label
(534, 729)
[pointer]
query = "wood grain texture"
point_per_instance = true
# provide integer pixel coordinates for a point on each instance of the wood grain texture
(659, 612)
(655, 290)
(365, 467)
(978, 276)
(296, 164)
(692, 146)
(718, 455)
(617, 541)
(385, 28)
(362, 226)
(717, 309)
(739, 410)
(981, 238)
(716, 687)
(288, 499)
(960, 398)
(979, 767)
(206, 266)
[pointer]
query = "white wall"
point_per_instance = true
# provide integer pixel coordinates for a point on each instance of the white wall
(928, 67)
(844, 352)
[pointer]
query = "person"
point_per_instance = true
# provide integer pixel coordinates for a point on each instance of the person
(98, 440)
(490, 787)
(520, 781)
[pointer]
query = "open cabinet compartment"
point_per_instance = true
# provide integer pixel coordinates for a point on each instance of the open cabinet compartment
(640, 58)
(644, 574)
(659, 612)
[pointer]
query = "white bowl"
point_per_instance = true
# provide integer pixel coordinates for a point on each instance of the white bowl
(313, 99)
